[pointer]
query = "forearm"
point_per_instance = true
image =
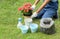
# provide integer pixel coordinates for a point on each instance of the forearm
(36, 2)
(43, 5)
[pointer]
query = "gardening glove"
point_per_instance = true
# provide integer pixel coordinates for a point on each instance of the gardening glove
(33, 7)
(34, 15)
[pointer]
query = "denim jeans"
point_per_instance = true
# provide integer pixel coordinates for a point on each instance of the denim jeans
(47, 13)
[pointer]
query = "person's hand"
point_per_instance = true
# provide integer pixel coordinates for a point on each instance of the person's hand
(33, 7)
(34, 15)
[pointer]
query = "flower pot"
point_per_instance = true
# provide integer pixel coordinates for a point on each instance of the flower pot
(28, 13)
(27, 20)
(24, 29)
(47, 26)
(33, 27)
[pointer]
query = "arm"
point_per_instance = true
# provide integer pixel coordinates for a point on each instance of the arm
(36, 2)
(43, 5)
(34, 5)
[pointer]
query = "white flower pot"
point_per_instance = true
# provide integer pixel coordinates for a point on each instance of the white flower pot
(27, 21)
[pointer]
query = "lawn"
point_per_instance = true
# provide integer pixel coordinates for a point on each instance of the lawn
(9, 15)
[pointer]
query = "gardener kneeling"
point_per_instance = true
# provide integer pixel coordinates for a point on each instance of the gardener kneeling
(48, 9)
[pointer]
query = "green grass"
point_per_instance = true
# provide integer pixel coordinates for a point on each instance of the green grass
(8, 20)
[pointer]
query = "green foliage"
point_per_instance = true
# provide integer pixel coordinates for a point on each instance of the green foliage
(9, 15)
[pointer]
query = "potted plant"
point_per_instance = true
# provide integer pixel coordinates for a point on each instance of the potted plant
(26, 10)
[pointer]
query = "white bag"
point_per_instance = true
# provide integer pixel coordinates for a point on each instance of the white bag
(46, 25)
